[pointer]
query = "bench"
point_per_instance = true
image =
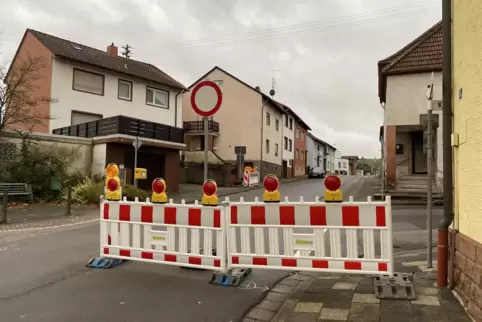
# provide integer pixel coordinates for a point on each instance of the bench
(16, 189)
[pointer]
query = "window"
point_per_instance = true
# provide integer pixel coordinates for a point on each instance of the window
(318, 147)
(291, 162)
(339, 165)
(297, 154)
(124, 91)
(297, 134)
(291, 124)
(291, 145)
(268, 119)
(286, 143)
(88, 82)
(286, 120)
(157, 97)
(276, 147)
(302, 155)
(276, 124)
(267, 146)
(344, 165)
(302, 136)
(78, 117)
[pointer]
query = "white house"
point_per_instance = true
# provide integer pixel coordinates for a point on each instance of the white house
(108, 98)
(341, 165)
(320, 153)
(288, 144)
(403, 80)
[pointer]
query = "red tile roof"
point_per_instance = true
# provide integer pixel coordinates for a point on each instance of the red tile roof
(423, 54)
(95, 57)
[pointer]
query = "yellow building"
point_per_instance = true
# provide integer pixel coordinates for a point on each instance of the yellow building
(467, 148)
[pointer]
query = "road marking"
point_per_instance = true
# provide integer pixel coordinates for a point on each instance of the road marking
(250, 285)
(9, 247)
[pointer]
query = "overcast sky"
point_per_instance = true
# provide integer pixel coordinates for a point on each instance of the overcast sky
(325, 51)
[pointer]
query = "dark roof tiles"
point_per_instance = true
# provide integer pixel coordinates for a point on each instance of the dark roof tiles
(88, 55)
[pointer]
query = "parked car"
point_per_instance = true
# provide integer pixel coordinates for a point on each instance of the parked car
(316, 173)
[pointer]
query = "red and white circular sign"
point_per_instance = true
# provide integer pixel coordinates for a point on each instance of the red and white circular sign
(206, 98)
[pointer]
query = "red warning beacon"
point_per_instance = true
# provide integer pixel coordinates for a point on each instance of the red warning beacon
(271, 185)
(332, 188)
(159, 191)
(209, 193)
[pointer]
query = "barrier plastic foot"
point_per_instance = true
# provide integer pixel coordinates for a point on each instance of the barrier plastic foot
(233, 278)
(103, 262)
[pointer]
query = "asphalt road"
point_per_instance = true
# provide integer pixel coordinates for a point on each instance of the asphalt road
(44, 278)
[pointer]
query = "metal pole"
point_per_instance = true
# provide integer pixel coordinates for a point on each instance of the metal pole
(69, 201)
(429, 184)
(135, 160)
(206, 122)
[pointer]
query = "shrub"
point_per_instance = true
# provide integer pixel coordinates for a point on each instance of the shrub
(88, 192)
(132, 192)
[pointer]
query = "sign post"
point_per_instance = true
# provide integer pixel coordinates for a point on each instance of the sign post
(206, 99)
(137, 144)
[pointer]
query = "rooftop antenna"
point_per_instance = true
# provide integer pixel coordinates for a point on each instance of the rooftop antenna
(127, 51)
(273, 83)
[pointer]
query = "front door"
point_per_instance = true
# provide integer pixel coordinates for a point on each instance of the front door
(419, 159)
(285, 169)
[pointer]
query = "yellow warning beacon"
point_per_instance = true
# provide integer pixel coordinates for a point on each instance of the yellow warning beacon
(271, 184)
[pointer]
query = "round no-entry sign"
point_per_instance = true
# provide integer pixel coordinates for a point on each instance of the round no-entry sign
(206, 98)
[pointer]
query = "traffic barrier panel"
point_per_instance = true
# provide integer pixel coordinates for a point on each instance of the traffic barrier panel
(162, 233)
(253, 179)
(246, 178)
(289, 247)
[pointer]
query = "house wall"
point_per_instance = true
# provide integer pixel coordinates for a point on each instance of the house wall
(406, 100)
(239, 117)
(467, 80)
(39, 82)
(107, 105)
(403, 161)
(330, 163)
(274, 136)
(342, 165)
(300, 146)
(288, 155)
(312, 149)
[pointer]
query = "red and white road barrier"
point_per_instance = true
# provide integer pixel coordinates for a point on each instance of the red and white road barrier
(246, 178)
(159, 233)
(305, 236)
(310, 251)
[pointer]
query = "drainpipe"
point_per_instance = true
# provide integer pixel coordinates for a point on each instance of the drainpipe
(384, 165)
(175, 107)
(443, 245)
(262, 142)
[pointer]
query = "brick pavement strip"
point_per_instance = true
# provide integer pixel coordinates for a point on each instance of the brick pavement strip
(312, 297)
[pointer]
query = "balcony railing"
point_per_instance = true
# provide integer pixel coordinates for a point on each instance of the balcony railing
(124, 125)
(198, 126)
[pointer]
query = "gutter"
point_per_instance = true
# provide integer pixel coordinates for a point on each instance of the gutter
(443, 245)
(262, 128)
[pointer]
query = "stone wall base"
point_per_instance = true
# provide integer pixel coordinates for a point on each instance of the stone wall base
(468, 274)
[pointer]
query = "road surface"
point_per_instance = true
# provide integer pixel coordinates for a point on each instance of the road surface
(44, 278)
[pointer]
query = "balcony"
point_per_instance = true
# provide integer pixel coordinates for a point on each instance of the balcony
(124, 125)
(197, 127)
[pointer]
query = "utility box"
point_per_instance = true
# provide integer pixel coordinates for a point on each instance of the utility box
(140, 173)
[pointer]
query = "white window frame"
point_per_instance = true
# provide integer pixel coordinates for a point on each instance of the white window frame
(268, 119)
(153, 96)
(130, 90)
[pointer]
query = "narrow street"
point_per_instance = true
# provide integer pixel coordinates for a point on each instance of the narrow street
(48, 281)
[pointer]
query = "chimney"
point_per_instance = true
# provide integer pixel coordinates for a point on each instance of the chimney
(258, 88)
(112, 50)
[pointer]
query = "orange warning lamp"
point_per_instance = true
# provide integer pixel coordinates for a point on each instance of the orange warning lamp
(113, 189)
(332, 188)
(209, 193)
(159, 191)
(271, 185)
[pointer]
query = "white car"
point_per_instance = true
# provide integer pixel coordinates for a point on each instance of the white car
(316, 173)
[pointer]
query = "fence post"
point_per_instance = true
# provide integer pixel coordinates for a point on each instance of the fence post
(69, 201)
(3, 215)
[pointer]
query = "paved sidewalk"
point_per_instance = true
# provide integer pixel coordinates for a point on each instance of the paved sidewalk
(310, 297)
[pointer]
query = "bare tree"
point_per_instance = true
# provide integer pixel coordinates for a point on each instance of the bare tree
(20, 101)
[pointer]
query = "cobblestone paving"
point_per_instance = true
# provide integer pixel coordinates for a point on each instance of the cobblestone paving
(310, 297)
